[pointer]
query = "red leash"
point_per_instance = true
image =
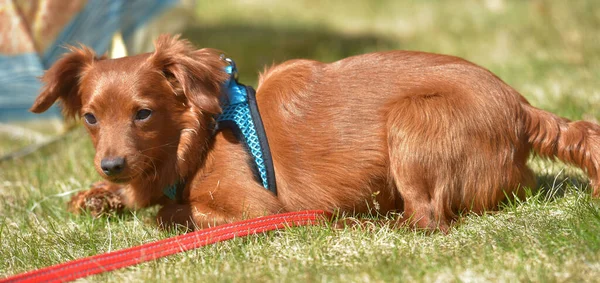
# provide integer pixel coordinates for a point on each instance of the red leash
(118, 259)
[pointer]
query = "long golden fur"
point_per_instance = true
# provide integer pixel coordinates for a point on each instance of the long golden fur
(425, 134)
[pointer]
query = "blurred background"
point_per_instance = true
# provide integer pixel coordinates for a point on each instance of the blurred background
(548, 50)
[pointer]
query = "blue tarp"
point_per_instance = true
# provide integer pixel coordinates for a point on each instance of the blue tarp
(94, 26)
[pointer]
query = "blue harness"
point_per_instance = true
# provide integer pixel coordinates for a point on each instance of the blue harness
(240, 114)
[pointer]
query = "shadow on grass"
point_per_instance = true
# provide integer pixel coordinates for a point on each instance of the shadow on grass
(254, 47)
(553, 187)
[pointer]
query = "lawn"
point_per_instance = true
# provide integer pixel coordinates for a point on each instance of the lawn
(548, 50)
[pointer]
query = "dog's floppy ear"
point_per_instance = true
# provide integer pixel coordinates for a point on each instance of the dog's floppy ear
(61, 81)
(198, 74)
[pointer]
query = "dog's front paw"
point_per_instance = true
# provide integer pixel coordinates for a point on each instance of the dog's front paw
(99, 200)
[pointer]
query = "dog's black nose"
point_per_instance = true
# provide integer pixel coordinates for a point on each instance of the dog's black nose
(112, 165)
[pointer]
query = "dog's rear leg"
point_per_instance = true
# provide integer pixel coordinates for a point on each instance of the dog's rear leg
(420, 206)
(419, 163)
(416, 181)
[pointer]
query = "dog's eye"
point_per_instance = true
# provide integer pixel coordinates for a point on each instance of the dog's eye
(143, 114)
(90, 118)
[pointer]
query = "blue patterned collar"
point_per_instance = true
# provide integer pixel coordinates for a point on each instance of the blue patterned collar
(240, 114)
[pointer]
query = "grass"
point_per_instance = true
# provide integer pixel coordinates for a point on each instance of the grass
(16, 135)
(548, 50)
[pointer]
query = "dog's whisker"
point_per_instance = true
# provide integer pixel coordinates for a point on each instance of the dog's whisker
(159, 146)
(139, 172)
(151, 162)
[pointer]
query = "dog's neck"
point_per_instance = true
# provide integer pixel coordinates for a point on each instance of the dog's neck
(240, 114)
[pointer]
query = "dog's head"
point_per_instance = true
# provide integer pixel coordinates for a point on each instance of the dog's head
(140, 110)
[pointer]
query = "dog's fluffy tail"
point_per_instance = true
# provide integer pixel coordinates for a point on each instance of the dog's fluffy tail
(574, 142)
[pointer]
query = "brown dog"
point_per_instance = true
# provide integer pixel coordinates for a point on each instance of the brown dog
(427, 134)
